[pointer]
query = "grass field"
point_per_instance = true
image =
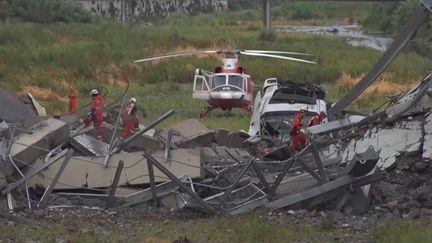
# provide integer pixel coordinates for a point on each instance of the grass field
(46, 59)
(248, 228)
(56, 56)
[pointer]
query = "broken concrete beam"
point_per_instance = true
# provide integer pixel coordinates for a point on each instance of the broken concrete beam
(189, 134)
(414, 101)
(221, 151)
(312, 192)
(13, 110)
(168, 200)
(143, 142)
(90, 171)
(40, 110)
(89, 145)
(27, 147)
(143, 196)
(236, 139)
(209, 154)
(221, 155)
(70, 118)
(242, 200)
(240, 154)
(221, 136)
(336, 125)
(427, 140)
(295, 184)
(362, 163)
(403, 137)
(3, 181)
(280, 153)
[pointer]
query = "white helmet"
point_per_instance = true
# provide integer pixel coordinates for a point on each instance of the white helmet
(94, 92)
(132, 100)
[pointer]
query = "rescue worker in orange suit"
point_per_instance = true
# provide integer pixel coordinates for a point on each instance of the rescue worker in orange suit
(317, 119)
(73, 100)
(129, 118)
(298, 140)
(96, 113)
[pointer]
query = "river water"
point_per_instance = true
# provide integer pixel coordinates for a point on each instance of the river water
(352, 33)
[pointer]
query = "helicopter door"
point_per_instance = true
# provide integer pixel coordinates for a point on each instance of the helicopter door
(200, 88)
(255, 120)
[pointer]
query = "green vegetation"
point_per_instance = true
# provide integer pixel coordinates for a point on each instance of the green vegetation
(43, 11)
(247, 228)
(321, 11)
(404, 231)
(58, 52)
(86, 55)
(389, 18)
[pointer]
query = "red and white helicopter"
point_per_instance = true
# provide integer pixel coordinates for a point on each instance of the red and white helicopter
(229, 86)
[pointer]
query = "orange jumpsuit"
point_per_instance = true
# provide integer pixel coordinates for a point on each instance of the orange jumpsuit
(73, 100)
(129, 119)
(298, 140)
(317, 119)
(96, 115)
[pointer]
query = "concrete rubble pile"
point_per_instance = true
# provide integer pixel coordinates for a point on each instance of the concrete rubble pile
(55, 163)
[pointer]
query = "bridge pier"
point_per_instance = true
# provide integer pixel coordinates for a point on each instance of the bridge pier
(267, 15)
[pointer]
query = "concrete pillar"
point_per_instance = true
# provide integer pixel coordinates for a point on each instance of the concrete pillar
(123, 11)
(267, 15)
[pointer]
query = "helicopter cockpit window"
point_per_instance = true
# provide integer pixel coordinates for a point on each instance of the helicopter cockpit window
(235, 80)
(218, 80)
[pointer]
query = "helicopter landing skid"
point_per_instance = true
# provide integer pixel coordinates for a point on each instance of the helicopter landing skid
(210, 108)
(206, 111)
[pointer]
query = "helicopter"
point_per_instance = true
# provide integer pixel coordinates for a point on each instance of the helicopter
(229, 86)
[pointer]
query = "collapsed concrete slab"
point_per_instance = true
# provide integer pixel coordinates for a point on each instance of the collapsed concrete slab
(140, 143)
(89, 172)
(403, 137)
(4, 140)
(427, 140)
(236, 139)
(295, 184)
(221, 136)
(145, 142)
(222, 155)
(40, 110)
(27, 147)
(13, 110)
(189, 134)
(89, 145)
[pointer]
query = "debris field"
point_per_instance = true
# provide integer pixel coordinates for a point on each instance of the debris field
(356, 163)
(351, 165)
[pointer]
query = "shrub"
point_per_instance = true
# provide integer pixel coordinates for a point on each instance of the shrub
(44, 11)
(302, 12)
(405, 9)
(268, 36)
(244, 4)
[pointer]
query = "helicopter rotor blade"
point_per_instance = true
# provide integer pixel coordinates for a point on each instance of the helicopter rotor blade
(276, 56)
(176, 55)
(278, 52)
